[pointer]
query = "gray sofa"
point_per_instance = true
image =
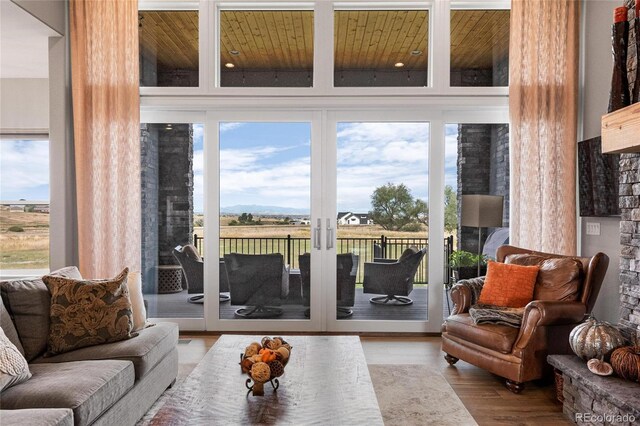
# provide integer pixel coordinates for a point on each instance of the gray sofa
(109, 384)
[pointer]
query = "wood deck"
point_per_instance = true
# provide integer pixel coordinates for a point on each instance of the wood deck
(176, 306)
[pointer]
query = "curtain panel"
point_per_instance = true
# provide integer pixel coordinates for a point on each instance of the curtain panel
(543, 100)
(106, 122)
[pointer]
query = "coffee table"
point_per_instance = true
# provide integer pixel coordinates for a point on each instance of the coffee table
(326, 382)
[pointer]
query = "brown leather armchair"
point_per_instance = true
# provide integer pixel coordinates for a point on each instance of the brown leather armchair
(519, 354)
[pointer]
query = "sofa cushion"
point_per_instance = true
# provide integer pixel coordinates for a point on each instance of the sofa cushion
(37, 417)
(9, 329)
(493, 336)
(559, 278)
(87, 387)
(28, 302)
(13, 367)
(145, 351)
(88, 312)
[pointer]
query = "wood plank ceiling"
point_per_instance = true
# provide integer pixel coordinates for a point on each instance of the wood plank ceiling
(171, 37)
(478, 38)
(283, 40)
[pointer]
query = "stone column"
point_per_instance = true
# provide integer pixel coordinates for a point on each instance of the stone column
(630, 241)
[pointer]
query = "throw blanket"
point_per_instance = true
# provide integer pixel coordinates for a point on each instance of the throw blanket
(489, 314)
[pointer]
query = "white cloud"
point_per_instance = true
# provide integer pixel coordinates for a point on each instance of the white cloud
(25, 168)
(225, 127)
(373, 154)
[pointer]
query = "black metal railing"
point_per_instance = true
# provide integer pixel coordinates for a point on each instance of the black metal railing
(366, 248)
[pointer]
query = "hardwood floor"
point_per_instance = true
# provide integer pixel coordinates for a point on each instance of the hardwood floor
(483, 394)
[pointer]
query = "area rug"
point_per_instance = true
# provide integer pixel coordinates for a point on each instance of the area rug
(416, 395)
(407, 395)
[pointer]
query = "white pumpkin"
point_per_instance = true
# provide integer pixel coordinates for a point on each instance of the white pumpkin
(595, 339)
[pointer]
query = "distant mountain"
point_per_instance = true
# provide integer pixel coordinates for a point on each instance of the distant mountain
(262, 210)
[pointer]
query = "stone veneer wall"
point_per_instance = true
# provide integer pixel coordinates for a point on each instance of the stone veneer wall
(149, 199)
(483, 168)
(499, 184)
(630, 241)
(175, 194)
(167, 195)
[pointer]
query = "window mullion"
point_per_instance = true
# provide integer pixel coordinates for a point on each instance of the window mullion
(440, 39)
(323, 47)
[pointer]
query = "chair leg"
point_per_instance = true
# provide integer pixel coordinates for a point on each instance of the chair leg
(200, 298)
(451, 359)
(515, 387)
(197, 299)
(391, 300)
(343, 312)
(259, 312)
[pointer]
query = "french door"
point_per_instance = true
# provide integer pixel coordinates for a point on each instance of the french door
(278, 185)
(383, 201)
(264, 187)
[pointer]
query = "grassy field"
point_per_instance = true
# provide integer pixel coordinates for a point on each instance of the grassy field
(28, 249)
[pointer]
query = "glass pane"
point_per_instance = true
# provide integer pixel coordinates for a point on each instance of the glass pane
(168, 48)
(265, 196)
(381, 48)
(480, 47)
(172, 219)
(24, 207)
(476, 163)
(382, 200)
(261, 48)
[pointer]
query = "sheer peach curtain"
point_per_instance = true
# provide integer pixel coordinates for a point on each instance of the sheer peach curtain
(104, 65)
(543, 99)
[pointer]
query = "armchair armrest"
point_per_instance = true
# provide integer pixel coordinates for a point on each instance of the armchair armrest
(465, 293)
(383, 260)
(556, 312)
(541, 313)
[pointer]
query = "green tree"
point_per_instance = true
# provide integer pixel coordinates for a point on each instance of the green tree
(245, 218)
(450, 209)
(394, 208)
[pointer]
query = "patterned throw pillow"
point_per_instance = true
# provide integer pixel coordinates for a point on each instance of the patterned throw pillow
(13, 367)
(88, 312)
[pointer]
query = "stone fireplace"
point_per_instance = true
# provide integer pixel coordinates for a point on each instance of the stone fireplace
(630, 242)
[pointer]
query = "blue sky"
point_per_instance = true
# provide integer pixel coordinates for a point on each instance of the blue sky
(451, 155)
(269, 163)
(25, 169)
(265, 164)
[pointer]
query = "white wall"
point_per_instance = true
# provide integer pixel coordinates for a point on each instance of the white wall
(24, 104)
(598, 65)
(50, 12)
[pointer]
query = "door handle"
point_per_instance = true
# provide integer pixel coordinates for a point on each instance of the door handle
(329, 235)
(317, 244)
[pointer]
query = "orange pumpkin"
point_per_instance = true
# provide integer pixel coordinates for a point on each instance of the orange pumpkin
(267, 355)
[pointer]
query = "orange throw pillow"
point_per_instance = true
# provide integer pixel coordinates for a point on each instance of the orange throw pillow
(508, 285)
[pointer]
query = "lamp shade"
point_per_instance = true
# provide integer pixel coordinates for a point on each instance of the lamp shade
(482, 211)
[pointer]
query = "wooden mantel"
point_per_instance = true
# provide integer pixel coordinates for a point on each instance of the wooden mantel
(621, 130)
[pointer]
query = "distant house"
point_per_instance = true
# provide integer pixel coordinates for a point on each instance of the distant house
(20, 206)
(300, 222)
(349, 218)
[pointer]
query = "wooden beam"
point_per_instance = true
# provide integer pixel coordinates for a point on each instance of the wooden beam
(621, 131)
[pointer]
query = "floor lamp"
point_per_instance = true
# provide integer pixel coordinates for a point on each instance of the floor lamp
(481, 211)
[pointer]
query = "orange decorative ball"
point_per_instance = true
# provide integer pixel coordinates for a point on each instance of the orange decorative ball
(626, 362)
